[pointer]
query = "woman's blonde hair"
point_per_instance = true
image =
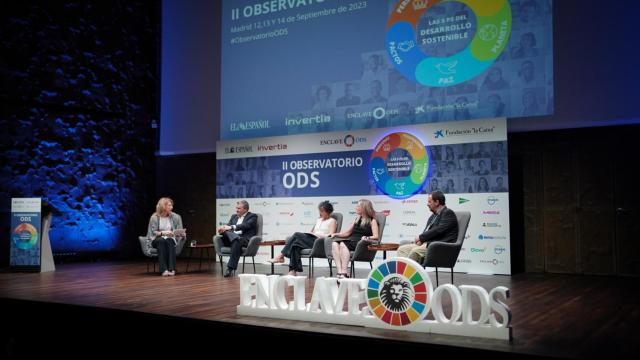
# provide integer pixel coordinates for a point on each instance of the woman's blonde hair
(368, 213)
(162, 204)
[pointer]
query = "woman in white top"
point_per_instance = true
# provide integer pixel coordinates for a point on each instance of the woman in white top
(325, 225)
(162, 224)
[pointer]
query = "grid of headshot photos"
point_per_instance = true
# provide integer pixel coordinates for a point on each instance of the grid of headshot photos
(468, 168)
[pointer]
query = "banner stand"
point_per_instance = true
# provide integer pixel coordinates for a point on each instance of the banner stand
(30, 245)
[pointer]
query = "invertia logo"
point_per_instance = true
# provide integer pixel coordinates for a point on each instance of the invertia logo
(272, 147)
(491, 212)
(410, 201)
(309, 120)
(409, 224)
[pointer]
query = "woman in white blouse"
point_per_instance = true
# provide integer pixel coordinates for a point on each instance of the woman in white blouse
(325, 225)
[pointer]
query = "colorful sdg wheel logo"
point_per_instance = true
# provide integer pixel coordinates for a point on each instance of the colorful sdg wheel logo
(25, 236)
(398, 292)
(399, 165)
(490, 25)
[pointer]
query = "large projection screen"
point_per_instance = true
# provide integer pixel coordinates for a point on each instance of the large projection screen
(291, 67)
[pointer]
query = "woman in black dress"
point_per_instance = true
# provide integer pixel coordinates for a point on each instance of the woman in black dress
(364, 227)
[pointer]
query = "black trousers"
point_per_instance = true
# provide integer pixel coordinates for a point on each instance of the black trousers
(294, 247)
(166, 253)
(236, 243)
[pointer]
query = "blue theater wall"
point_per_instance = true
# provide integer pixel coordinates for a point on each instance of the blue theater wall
(80, 96)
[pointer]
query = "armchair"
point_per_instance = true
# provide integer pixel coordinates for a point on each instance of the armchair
(441, 254)
(362, 253)
(152, 254)
(251, 249)
(318, 250)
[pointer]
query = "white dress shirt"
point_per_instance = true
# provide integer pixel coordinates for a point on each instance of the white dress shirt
(240, 220)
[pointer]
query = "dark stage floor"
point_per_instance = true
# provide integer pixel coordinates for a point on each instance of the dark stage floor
(565, 316)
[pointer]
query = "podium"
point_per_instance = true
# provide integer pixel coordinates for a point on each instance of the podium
(46, 263)
(30, 245)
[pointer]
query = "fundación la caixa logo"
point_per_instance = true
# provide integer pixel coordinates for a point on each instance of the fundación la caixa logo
(470, 131)
(397, 294)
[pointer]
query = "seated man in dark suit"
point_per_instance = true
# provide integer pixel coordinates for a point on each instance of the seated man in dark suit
(236, 234)
(441, 226)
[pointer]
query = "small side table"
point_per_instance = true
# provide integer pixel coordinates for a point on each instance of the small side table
(384, 248)
(272, 243)
(202, 248)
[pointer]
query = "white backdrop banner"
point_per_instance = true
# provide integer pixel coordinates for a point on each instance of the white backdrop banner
(285, 178)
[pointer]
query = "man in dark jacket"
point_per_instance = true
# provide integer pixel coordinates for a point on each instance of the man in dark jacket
(441, 226)
(237, 232)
